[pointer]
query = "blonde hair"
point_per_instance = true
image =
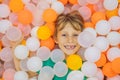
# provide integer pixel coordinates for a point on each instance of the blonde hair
(74, 18)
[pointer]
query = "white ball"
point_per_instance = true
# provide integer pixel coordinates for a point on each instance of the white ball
(34, 31)
(113, 38)
(46, 73)
(26, 1)
(33, 78)
(91, 30)
(99, 74)
(115, 22)
(93, 78)
(89, 69)
(114, 78)
(86, 39)
(60, 69)
(4, 26)
(81, 52)
(57, 55)
(113, 53)
(34, 64)
(21, 52)
(43, 53)
(32, 43)
(75, 75)
(101, 43)
(21, 75)
(92, 54)
(4, 11)
(58, 7)
(110, 4)
(51, 1)
(103, 27)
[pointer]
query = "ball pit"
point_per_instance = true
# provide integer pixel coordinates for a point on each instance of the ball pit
(28, 50)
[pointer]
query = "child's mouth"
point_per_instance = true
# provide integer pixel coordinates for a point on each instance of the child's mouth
(70, 47)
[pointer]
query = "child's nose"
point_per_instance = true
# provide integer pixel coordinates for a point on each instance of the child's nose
(70, 39)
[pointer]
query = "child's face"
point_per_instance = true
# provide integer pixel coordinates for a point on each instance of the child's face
(67, 39)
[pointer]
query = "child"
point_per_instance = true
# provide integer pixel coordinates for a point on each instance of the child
(68, 27)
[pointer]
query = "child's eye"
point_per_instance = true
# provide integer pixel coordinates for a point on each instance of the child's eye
(75, 35)
(63, 34)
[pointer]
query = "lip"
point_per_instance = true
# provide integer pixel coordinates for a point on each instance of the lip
(69, 47)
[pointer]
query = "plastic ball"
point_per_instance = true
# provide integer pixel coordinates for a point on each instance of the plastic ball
(57, 55)
(95, 52)
(101, 62)
(21, 52)
(6, 54)
(92, 1)
(26, 18)
(99, 74)
(16, 5)
(21, 75)
(115, 22)
(89, 69)
(48, 43)
(86, 39)
(51, 1)
(34, 31)
(13, 18)
(97, 16)
(113, 53)
(114, 4)
(33, 78)
(34, 64)
(103, 27)
(64, 1)
(113, 38)
(4, 11)
(25, 1)
(89, 25)
(74, 62)
(4, 26)
(9, 65)
(92, 78)
(116, 65)
(82, 2)
(101, 43)
(114, 78)
(108, 71)
(58, 7)
(73, 1)
(43, 53)
(32, 43)
(75, 75)
(60, 69)
(85, 12)
(9, 74)
(81, 52)
(111, 13)
(75, 7)
(13, 34)
(46, 73)
(23, 65)
(51, 17)
(51, 26)
(91, 30)
(43, 32)
(5, 41)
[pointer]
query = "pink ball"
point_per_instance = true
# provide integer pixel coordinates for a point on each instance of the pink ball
(85, 12)
(66, 10)
(92, 1)
(1, 70)
(13, 18)
(82, 2)
(6, 54)
(9, 64)
(13, 34)
(75, 7)
(9, 74)
(5, 41)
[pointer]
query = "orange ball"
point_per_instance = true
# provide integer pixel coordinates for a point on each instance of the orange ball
(91, 7)
(73, 1)
(107, 70)
(97, 16)
(89, 24)
(25, 17)
(111, 13)
(1, 0)
(64, 1)
(51, 26)
(48, 43)
(16, 5)
(101, 62)
(49, 15)
(116, 65)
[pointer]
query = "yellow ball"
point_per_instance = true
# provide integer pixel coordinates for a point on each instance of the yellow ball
(43, 32)
(74, 62)
(119, 1)
(111, 13)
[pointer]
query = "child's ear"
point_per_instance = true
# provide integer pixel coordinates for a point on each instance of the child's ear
(55, 39)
